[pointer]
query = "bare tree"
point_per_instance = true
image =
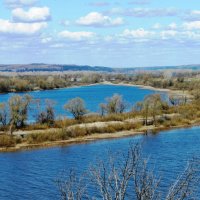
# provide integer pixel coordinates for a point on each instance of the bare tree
(103, 108)
(50, 114)
(138, 106)
(18, 106)
(145, 182)
(152, 105)
(76, 107)
(156, 105)
(112, 179)
(71, 187)
(46, 116)
(115, 104)
(129, 177)
(3, 114)
(186, 184)
(145, 111)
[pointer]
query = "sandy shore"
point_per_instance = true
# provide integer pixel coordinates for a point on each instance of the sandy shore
(169, 91)
(72, 141)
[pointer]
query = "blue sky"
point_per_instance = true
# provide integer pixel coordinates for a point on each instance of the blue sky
(128, 33)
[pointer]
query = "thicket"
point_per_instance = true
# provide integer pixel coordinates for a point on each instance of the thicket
(43, 82)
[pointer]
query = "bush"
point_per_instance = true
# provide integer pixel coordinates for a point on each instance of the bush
(76, 132)
(7, 141)
(46, 137)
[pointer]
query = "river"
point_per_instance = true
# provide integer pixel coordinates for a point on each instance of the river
(31, 174)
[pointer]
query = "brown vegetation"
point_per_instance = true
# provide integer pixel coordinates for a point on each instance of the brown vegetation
(152, 112)
(175, 80)
(135, 121)
(7, 141)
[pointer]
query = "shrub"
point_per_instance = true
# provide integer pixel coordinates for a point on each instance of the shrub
(45, 137)
(7, 141)
(76, 132)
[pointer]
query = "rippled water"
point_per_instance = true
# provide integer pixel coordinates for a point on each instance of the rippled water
(31, 174)
(92, 95)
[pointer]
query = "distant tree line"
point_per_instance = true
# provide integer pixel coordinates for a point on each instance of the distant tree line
(185, 81)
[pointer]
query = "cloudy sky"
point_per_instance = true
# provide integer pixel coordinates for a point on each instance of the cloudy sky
(115, 33)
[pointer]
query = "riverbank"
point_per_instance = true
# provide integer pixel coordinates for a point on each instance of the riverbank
(142, 131)
(169, 91)
(79, 140)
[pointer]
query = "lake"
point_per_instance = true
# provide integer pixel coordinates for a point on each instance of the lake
(92, 95)
(31, 174)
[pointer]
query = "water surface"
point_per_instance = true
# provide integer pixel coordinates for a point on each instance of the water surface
(92, 95)
(31, 174)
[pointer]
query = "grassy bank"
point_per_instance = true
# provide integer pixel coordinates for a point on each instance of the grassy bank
(90, 131)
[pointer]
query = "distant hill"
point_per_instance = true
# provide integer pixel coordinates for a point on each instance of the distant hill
(37, 67)
(180, 67)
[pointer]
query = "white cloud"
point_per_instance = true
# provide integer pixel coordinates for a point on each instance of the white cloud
(77, 36)
(192, 25)
(172, 26)
(193, 15)
(34, 14)
(138, 33)
(19, 3)
(157, 26)
(99, 20)
(46, 40)
(8, 27)
(168, 34)
(191, 35)
(145, 12)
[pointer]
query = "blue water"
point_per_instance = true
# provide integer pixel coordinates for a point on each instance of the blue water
(92, 95)
(31, 174)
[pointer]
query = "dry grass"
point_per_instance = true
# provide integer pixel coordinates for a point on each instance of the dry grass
(7, 141)
(64, 134)
(182, 115)
(36, 138)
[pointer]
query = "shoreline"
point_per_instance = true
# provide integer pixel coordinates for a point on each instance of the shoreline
(169, 91)
(92, 138)
(72, 141)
